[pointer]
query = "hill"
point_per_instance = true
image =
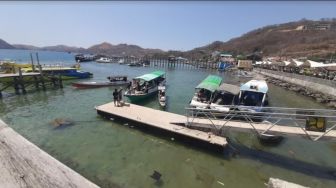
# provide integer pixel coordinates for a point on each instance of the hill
(5, 45)
(121, 49)
(294, 39)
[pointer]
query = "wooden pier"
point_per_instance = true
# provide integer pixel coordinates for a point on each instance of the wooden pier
(158, 119)
(20, 81)
(23, 164)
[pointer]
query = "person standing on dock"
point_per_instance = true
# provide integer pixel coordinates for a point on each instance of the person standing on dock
(119, 97)
(115, 97)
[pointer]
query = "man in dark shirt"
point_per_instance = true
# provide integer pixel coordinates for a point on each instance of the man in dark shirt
(115, 97)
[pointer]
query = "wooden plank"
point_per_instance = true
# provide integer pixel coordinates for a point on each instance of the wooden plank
(17, 75)
(159, 119)
(23, 164)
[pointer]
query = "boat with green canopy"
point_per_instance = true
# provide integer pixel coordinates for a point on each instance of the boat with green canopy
(205, 91)
(144, 86)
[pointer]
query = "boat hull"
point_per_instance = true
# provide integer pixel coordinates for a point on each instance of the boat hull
(87, 85)
(137, 98)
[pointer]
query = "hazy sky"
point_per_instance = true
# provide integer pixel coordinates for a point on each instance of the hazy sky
(165, 25)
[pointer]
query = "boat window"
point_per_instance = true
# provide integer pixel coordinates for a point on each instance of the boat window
(250, 98)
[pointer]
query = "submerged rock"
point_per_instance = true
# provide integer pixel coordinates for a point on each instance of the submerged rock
(60, 122)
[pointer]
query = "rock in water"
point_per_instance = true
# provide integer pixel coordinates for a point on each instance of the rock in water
(60, 122)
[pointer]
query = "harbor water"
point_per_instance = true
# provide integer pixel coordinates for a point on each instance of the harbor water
(115, 154)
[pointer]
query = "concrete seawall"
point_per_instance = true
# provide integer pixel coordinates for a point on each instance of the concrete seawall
(23, 164)
(317, 87)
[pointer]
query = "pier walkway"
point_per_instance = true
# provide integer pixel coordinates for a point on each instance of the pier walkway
(25, 165)
(158, 119)
(193, 125)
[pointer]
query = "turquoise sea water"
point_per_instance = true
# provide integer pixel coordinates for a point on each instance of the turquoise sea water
(116, 155)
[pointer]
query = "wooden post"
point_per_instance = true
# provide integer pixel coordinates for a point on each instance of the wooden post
(60, 83)
(41, 77)
(32, 62)
(21, 81)
(16, 86)
(37, 59)
(36, 82)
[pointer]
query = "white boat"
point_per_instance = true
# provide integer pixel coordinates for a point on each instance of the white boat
(205, 92)
(121, 61)
(253, 95)
(226, 95)
(162, 95)
(104, 60)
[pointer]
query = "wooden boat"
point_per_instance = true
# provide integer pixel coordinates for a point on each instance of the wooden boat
(205, 92)
(162, 95)
(113, 81)
(144, 86)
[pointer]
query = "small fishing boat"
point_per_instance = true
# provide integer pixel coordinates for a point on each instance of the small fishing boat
(226, 96)
(144, 86)
(104, 60)
(253, 95)
(205, 92)
(162, 95)
(84, 58)
(113, 81)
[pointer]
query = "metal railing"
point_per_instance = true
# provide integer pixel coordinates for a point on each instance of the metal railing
(263, 120)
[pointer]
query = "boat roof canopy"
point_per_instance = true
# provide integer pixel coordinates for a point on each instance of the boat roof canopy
(255, 85)
(233, 89)
(210, 83)
(151, 76)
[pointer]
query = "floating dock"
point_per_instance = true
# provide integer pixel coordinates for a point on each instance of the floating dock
(158, 119)
(23, 164)
(198, 128)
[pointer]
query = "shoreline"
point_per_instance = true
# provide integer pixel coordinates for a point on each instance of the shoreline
(320, 97)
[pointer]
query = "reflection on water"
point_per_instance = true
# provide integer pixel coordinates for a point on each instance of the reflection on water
(116, 154)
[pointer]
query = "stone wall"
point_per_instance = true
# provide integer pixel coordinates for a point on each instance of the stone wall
(321, 93)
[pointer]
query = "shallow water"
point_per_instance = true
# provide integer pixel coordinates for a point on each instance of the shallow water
(114, 154)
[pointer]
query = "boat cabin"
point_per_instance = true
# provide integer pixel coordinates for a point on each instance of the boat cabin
(205, 91)
(227, 94)
(253, 93)
(148, 81)
(117, 78)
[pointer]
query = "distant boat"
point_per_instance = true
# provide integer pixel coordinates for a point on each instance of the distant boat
(121, 61)
(104, 60)
(113, 81)
(84, 58)
(205, 92)
(145, 86)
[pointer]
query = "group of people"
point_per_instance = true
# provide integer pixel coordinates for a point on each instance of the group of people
(117, 97)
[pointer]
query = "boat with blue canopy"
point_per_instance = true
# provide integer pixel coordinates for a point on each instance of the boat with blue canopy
(205, 91)
(145, 86)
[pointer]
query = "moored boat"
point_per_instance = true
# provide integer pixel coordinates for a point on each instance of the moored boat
(205, 92)
(113, 81)
(104, 60)
(253, 95)
(226, 96)
(162, 95)
(144, 86)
